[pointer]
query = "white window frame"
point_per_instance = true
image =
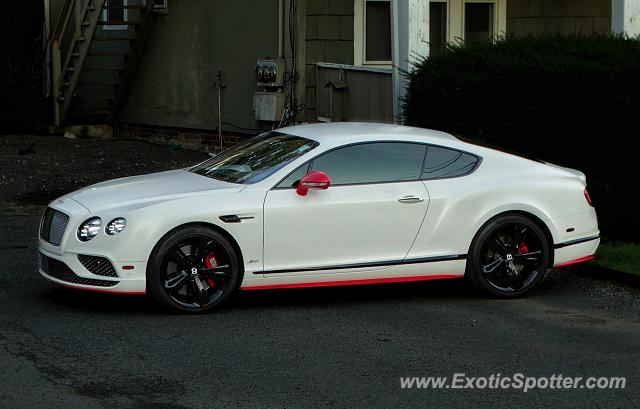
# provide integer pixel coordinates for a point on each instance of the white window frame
(455, 25)
(125, 16)
(161, 8)
(494, 23)
(360, 36)
(447, 17)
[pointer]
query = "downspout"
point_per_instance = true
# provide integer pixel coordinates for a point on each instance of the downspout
(280, 28)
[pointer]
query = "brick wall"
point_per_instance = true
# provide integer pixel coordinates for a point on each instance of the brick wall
(329, 26)
(192, 138)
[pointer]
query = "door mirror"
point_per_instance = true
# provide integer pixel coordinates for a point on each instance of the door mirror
(313, 180)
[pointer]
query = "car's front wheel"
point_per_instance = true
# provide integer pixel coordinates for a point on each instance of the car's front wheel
(509, 256)
(193, 269)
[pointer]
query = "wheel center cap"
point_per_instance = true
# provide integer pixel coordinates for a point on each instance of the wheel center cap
(194, 271)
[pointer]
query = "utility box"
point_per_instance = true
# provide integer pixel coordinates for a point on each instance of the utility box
(270, 73)
(268, 106)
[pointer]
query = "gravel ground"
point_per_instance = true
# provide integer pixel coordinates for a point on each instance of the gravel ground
(306, 348)
(37, 169)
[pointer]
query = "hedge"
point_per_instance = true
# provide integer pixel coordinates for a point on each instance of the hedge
(572, 100)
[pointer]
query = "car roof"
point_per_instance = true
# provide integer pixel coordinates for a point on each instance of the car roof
(339, 133)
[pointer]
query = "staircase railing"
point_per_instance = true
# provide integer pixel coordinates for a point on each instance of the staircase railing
(67, 49)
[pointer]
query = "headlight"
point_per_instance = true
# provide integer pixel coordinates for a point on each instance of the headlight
(115, 226)
(89, 229)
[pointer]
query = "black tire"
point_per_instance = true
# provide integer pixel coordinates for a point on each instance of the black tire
(509, 256)
(193, 269)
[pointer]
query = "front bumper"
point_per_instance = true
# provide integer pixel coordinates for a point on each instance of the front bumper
(68, 271)
(60, 263)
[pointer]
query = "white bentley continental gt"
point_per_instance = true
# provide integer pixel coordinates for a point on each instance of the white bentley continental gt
(323, 205)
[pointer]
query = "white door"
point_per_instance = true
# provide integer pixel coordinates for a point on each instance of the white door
(369, 216)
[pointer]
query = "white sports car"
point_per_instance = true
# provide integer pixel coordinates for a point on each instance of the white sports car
(323, 205)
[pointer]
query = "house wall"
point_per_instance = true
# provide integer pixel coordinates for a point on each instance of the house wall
(22, 107)
(176, 85)
(558, 16)
(329, 38)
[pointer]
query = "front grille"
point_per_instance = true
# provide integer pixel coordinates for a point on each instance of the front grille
(54, 223)
(98, 265)
(61, 271)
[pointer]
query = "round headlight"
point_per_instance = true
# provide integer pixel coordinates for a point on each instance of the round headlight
(89, 229)
(115, 226)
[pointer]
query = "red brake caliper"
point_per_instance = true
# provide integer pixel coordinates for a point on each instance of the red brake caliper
(523, 249)
(210, 261)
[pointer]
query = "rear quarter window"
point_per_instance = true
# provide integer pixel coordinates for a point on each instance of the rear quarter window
(447, 163)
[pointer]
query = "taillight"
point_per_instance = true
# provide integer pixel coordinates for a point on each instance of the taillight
(586, 196)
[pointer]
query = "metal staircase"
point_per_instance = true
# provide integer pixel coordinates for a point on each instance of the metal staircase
(93, 57)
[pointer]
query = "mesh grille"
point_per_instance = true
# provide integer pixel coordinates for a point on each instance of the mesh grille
(61, 271)
(54, 223)
(98, 265)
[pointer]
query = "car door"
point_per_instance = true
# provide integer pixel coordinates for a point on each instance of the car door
(368, 217)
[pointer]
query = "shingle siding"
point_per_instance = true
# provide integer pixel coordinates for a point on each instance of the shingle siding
(558, 16)
(329, 39)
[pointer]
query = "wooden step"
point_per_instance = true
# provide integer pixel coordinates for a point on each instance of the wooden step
(124, 7)
(109, 54)
(99, 83)
(106, 39)
(96, 113)
(119, 23)
(118, 68)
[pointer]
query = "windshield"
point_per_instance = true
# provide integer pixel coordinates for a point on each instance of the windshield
(255, 159)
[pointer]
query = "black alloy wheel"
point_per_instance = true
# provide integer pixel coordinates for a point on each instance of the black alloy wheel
(509, 256)
(193, 269)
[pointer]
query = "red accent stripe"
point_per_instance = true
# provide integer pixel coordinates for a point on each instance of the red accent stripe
(576, 261)
(352, 282)
(100, 290)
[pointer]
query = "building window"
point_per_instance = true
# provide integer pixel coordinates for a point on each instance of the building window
(449, 20)
(478, 22)
(377, 31)
(115, 14)
(437, 26)
(160, 6)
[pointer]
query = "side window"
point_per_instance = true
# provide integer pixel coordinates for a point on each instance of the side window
(294, 177)
(446, 163)
(372, 163)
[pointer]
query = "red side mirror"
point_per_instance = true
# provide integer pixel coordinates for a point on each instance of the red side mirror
(313, 180)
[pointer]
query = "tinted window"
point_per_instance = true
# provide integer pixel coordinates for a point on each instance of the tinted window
(446, 163)
(372, 163)
(255, 159)
(298, 174)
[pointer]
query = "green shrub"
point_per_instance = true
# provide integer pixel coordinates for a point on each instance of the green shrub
(573, 100)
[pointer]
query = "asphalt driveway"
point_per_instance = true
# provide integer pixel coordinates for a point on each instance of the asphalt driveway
(304, 348)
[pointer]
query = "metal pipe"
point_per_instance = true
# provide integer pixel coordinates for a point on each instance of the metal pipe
(220, 116)
(281, 28)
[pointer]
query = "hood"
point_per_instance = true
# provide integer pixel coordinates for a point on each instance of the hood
(141, 190)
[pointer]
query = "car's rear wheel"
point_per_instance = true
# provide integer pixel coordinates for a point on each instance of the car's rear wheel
(509, 256)
(193, 269)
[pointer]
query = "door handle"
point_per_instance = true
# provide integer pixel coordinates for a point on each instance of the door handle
(410, 199)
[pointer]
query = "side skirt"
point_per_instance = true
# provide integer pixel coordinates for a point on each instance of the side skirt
(339, 283)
